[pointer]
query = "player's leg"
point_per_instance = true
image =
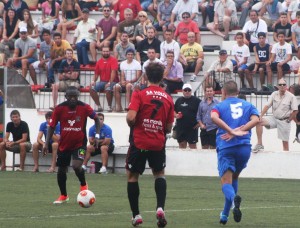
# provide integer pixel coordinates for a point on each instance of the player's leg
(78, 156)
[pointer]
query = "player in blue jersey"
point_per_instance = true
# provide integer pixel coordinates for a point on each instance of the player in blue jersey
(233, 144)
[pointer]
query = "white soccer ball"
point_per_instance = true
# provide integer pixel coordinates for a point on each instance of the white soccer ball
(86, 198)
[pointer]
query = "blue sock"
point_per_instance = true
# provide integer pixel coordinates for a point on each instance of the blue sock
(235, 185)
(229, 194)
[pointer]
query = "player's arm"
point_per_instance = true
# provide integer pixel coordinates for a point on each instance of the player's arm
(169, 128)
(254, 120)
(97, 135)
(130, 118)
(50, 131)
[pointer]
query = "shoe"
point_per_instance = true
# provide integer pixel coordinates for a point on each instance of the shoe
(193, 78)
(99, 109)
(161, 219)
(103, 170)
(61, 199)
(270, 88)
(84, 167)
(19, 170)
(109, 109)
(237, 214)
(84, 187)
(223, 218)
(258, 148)
(137, 220)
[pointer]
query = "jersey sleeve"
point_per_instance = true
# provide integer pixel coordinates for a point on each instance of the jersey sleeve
(90, 112)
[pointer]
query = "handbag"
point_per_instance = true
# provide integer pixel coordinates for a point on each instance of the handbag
(294, 64)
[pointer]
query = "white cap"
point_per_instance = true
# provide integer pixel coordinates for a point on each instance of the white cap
(186, 86)
(23, 29)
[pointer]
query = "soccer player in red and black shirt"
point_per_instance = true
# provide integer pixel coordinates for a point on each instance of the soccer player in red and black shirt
(150, 116)
(72, 115)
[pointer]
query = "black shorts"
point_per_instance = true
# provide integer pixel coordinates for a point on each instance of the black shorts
(136, 159)
(285, 67)
(208, 137)
(189, 135)
(251, 67)
(111, 148)
(190, 67)
(64, 158)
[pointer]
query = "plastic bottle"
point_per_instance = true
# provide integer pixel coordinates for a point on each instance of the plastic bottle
(92, 167)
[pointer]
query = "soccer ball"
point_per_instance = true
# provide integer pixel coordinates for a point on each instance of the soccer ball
(86, 198)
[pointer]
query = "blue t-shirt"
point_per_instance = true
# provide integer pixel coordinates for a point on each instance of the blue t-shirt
(234, 112)
(105, 132)
(44, 128)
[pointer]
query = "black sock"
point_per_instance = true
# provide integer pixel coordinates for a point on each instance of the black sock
(62, 181)
(81, 177)
(161, 191)
(133, 192)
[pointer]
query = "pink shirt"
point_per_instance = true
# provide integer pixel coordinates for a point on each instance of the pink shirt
(47, 9)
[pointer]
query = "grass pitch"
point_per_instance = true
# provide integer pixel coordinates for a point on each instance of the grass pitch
(26, 201)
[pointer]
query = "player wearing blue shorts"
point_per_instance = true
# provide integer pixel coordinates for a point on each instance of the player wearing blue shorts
(233, 144)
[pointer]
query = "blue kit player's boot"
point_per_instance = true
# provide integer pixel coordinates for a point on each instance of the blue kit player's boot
(237, 214)
(223, 218)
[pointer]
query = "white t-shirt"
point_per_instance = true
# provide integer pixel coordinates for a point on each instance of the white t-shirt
(241, 52)
(24, 24)
(281, 51)
(252, 27)
(181, 6)
(173, 46)
(294, 8)
(130, 69)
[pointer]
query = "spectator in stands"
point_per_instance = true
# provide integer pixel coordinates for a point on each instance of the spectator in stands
(25, 52)
(21, 140)
(39, 144)
(207, 9)
(57, 54)
(182, 6)
(191, 56)
(296, 34)
(108, 2)
(128, 25)
(225, 18)
(106, 144)
(68, 75)
(30, 24)
(262, 52)
(283, 26)
(169, 45)
(150, 42)
(173, 73)
(285, 5)
(122, 47)
(107, 29)
(147, 5)
(186, 108)
(241, 54)
(50, 14)
(252, 28)
(273, 8)
(121, 6)
(284, 107)
(85, 39)
(292, 11)
(207, 126)
(131, 71)
(10, 33)
(186, 26)
(140, 31)
(281, 54)
(18, 6)
(89, 4)
(164, 11)
(106, 69)
(71, 15)
(44, 56)
(219, 71)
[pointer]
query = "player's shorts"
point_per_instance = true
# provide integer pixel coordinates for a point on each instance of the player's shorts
(233, 158)
(101, 86)
(136, 159)
(189, 135)
(283, 127)
(64, 157)
(16, 148)
(64, 84)
(252, 66)
(97, 151)
(208, 137)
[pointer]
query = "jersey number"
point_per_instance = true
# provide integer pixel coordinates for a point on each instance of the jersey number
(158, 105)
(236, 110)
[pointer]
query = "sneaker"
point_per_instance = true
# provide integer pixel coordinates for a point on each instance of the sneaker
(84, 167)
(137, 220)
(161, 219)
(84, 187)
(103, 170)
(223, 218)
(193, 78)
(62, 199)
(270, 88)
(237, 214)
(258, 148)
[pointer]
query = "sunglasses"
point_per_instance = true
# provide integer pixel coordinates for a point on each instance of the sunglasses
(187, 90)
(282, 84)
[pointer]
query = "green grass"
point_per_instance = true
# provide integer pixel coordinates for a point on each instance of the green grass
(26, 201)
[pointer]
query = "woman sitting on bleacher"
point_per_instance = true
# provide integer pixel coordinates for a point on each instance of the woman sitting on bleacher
(141, 28)
(31, 25)
(71, 15)
(50, 14)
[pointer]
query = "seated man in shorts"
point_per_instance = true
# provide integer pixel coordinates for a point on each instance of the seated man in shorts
(106, 144)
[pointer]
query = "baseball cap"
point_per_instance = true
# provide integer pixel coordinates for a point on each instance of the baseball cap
(85, 10)
(222, 52)
(23, 29)
(185, 86)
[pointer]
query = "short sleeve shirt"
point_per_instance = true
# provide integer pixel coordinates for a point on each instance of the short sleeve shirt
(107, 26)
(105, 132)
(18, 131)
(281, 51)
(183, 29)
(26, 45)
(104, 68)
